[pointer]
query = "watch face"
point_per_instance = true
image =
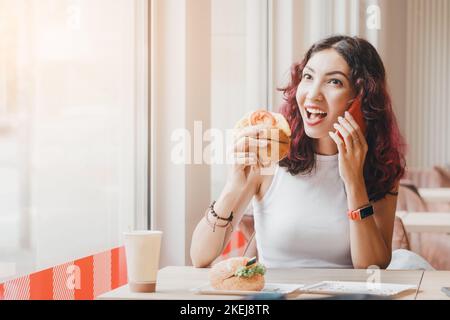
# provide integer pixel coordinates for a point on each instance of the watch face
(366, 212)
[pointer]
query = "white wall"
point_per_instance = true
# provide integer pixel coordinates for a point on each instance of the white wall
(427, 109)
(181, 42)
(239, 67)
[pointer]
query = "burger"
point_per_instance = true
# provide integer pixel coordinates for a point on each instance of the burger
(275, 129)
(241, 274)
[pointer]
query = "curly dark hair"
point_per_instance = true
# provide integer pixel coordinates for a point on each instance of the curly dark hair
(385, 160)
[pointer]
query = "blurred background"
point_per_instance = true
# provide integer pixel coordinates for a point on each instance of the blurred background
(91, 92)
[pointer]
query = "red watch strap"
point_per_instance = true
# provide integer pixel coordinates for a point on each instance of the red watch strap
(354, 215)
(360, 213)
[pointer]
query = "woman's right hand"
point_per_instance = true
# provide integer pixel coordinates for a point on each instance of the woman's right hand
(245, 156)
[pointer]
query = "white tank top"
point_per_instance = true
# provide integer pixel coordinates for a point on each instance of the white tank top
(302, 220)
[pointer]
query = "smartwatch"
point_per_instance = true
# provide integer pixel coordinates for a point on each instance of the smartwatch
(360, 214)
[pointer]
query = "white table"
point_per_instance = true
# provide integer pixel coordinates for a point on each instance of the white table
(438, 222)
(175, 283)
(435, 195)
(431, 285)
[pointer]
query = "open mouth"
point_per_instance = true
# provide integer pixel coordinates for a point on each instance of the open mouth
(315, 114)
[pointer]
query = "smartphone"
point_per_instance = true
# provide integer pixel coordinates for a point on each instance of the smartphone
(356, 112)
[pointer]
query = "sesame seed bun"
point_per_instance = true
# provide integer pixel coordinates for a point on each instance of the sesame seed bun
(221, 276)
(276, 129)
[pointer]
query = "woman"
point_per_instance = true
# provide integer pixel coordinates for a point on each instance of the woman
(301, 212)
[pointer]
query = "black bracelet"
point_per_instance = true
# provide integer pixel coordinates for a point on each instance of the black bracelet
(215, 215)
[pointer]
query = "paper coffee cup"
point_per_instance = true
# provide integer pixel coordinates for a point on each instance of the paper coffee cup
(142, 249)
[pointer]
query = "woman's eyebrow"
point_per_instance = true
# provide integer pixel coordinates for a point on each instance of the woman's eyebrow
(329, 73)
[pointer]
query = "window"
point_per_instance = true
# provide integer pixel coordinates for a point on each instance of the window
(73, 112)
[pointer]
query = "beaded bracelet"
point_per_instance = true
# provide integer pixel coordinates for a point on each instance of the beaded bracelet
(215, 215)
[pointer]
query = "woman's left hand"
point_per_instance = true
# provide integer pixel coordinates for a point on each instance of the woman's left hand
(352, 150)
